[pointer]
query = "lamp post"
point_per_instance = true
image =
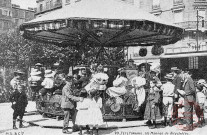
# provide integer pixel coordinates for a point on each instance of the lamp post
(197, 45)
(197, 30)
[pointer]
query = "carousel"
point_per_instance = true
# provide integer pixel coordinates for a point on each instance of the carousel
(105, 24)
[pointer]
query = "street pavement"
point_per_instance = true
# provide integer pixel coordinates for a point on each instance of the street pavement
(48, 126)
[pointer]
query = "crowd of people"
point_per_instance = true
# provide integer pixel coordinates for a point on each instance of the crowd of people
(82, 95)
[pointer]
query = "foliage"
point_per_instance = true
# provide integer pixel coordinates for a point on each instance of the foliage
(19, 53)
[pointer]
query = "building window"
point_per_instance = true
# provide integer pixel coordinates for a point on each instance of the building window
(202, 14)
(192, 34)
(16, 21)
(1, 25)
(6, 25)
(193, 63)
(178, 16)
(177, 2)
(10, 13)
(41, 7)
(77, 0)
(156, 4)
(47, 5)
(67, 1)
(5, 12)
(16, 13)
(51, 4)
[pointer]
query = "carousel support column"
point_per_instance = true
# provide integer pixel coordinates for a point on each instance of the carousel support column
(124, 115)
(103, 104)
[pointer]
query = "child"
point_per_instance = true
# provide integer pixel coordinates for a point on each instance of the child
(19, 103)
(48, 83)
(82, 115)
(168, 94)
(35, 82)
(89, 112)
(152, 111)
(95, 113)
(200, 103)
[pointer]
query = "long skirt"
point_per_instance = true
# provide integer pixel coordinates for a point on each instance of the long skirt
(152, 113)
(116, 91)
(140, 93)
(92, 116)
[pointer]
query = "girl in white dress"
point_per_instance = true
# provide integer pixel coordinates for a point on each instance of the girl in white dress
(89, 112)
(82, 115)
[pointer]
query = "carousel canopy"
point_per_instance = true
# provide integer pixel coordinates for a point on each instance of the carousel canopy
(103, 22)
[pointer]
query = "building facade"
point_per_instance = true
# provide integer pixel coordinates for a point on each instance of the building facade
(188, 52)
(12, 15)
(20, 15)
(46, 6)
(5, 15)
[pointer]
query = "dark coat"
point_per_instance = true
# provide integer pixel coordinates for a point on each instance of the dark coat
(20, 99)
(69, 99)
(177, 81)
(190, 90)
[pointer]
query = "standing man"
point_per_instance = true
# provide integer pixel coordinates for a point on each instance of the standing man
(68, 103)
(189, 101)
(18, 97)
(177, 81)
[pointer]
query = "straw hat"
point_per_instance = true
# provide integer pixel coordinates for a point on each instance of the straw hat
(38, 64)
(174, 68)
(35, 72)
(48, 73)
(19, 72)
(120, 69)
(169, 76)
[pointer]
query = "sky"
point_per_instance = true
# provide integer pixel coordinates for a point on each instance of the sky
(25, 3)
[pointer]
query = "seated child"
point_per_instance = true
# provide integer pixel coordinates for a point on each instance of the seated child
(48, 83)
(200, 104)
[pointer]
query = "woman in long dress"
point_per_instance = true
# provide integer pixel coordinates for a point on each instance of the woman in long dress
(119, 86)
(138, 84)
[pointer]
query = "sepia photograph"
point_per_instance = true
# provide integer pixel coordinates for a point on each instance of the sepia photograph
(103, 67)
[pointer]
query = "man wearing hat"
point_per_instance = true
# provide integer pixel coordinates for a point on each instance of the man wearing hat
(177, 81)
(189, 101)
(68, 103)
(131, 64)
(84, 79)
(168, 95)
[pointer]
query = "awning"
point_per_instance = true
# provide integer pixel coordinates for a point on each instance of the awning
(193, 54)
(103, 22)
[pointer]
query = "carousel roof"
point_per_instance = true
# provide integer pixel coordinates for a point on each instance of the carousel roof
(106, 23)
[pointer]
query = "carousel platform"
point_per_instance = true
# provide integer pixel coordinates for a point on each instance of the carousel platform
(36, 119)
